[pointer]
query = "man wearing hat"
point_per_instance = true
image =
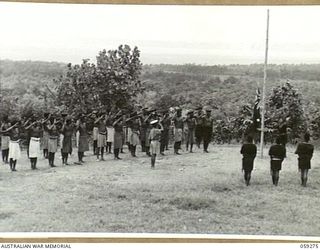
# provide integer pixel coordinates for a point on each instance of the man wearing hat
(191, 124)
(198, 128)
(178, 130)
(165, 122)
(154, 138)
(207, 128)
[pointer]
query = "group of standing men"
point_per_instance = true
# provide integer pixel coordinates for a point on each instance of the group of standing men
(149, 128)
(277, 153)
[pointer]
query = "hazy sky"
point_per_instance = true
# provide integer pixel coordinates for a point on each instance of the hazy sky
(164, 34)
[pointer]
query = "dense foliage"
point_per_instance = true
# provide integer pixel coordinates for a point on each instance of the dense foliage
(285, 102)
(118, 80)
(112, 83)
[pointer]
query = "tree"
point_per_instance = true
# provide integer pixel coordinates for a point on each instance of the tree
(112, 83)
(285, 102)
(166, 101)
(75, 90)
(118, 77)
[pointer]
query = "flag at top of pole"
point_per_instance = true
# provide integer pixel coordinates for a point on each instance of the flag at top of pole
(264, 88)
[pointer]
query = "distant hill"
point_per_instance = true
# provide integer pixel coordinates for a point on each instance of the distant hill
(227, 86)
(29, 73)
(190, 85)
(310, 72)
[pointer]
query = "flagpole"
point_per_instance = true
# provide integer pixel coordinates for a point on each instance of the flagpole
(264, 88)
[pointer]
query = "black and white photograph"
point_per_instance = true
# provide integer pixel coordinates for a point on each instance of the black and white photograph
(160, 119)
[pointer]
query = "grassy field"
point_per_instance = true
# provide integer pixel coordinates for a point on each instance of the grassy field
(191, 193)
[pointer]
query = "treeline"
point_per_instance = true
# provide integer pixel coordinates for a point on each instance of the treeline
(31, 68)
(309, 72)
(15, 73)
(29, 86)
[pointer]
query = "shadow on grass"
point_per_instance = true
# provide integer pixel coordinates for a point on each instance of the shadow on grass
(220, 189)
(189, 203)
(4, 216)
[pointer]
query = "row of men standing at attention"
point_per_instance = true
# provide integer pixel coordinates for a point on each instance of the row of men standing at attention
(277, 153)
(136, 129)
(48, 130)
(107, 130)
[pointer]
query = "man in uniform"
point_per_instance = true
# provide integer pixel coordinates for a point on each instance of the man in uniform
(249, 152)
(154, 138)
(191, 124)
(67, 130)
(164, 141)
(305, 153)
(101, 123)
(178, 130)
(198, 128)
(277, 154)
(143, 129)
(207, 127)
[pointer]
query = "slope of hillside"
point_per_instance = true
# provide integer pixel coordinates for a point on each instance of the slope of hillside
(225, 86)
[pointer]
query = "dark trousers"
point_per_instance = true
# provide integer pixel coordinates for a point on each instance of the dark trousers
(164, 141)
(45, 153)
(198, 135)
(275, 177)
(109, 145)
(80, 156)
(304, 177)
(51, 159)
(116, 152)
(133, 150)
(95, 145)
(13, 164)
(33, 162)
(247, 176)
(207, 134)
(5, 155)
(64, 158)
(100, 151)
(28, 149)
(147, 150)
(177, 146)
(162, 147)
(143, 146)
